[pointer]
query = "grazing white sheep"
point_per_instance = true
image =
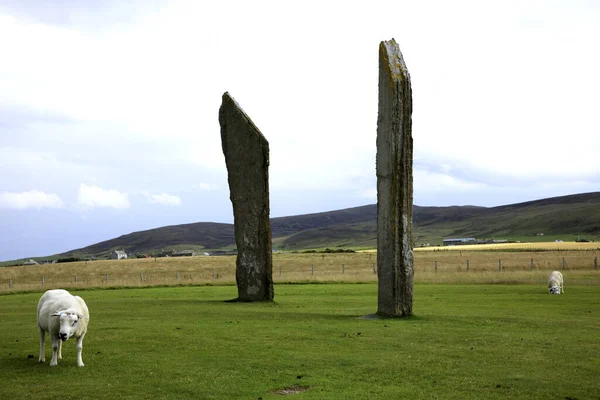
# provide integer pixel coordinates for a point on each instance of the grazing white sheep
(555, 283)
(63, 316)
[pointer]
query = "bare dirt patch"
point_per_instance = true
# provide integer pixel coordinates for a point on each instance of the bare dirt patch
(290, 390)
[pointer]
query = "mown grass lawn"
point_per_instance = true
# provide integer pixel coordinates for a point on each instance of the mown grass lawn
(466, 341)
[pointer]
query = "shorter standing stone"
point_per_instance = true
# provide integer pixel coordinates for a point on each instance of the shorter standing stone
(247, 157)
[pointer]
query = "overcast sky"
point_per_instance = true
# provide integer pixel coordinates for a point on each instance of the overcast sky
(109, 109)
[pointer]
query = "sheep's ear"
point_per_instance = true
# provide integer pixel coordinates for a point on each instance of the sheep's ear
(80, 315)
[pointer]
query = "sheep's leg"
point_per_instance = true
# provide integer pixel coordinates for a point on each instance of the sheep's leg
(79, 349)
(60, 349)
(55, 344)
(42, 342)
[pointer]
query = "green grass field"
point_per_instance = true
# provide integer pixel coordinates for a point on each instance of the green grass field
(465, 341)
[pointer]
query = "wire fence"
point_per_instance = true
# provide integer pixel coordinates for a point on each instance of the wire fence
(478, 263)
(430, 267)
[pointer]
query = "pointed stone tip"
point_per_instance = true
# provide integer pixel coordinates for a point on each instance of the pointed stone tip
(390, 54)
(228, 99)
(389, 46)
(230, 105)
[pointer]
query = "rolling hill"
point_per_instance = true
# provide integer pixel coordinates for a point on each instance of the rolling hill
(565, 217)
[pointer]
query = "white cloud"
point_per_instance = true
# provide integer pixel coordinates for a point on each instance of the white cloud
(31, 199)
(427, 182)
(164, 199)
(95, 197)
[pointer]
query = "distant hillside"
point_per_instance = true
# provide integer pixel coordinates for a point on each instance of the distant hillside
(198, 235)
(566, 216)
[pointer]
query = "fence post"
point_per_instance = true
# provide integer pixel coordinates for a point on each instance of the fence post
(10, 283)
(374, 269)
(436, 266)
(596, 262)
(499, 265)
(342, 268)
(141, 277)
(564, 263)
(106, 278)
(75, 280)
(313, 269)
(213, 276)
(42, 281)
(467, 265)
(176, 275)
(532, 263)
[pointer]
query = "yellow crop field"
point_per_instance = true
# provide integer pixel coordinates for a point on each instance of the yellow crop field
(458, 265)
(550, 246)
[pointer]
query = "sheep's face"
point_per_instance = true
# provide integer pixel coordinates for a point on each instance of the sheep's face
(554, 290)
(69, 323)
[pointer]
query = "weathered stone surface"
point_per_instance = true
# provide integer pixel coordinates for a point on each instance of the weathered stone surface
(394, 184)
(247, 157)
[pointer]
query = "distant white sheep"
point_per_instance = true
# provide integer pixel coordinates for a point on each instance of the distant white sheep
(555, 283)
(63, 316)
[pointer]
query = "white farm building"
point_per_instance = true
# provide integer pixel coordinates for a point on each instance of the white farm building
(118, 255)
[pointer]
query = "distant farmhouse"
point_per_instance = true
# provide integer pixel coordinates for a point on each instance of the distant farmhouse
(459, 241)
(118, 255)
(178, 253)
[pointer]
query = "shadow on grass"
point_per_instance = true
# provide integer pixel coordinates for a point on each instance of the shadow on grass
(223, 302)
(380, 317)
(22, 363)
(274, 310)
(19, 363)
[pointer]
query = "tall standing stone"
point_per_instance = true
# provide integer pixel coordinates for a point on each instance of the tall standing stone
(394, 184)
(247, 157)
